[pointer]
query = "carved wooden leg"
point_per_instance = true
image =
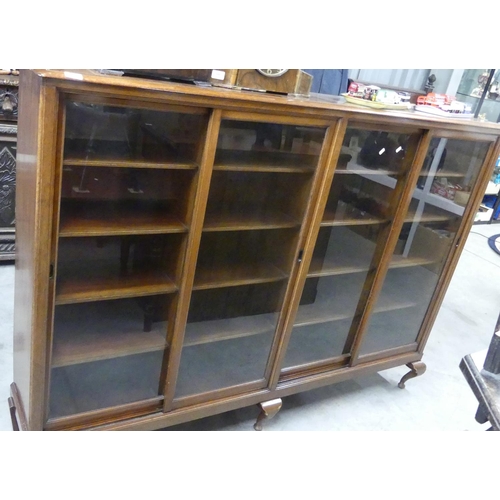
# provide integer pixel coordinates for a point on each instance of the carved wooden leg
(417, 368)
(267, 410)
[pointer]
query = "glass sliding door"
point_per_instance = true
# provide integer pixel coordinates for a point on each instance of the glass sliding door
(435, 213)
(260, 187)
(358, 210)
(124, 218)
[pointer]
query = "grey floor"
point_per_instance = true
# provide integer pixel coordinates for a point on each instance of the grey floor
(440, 400)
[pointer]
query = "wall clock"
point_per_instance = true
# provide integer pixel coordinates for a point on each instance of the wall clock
(281, 81)
(272, 73)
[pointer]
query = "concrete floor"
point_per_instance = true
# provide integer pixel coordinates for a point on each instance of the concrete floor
(440, 400)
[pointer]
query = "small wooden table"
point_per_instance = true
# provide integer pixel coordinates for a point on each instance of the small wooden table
(486, 388)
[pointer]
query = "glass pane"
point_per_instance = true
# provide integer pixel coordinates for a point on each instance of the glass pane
(448, 175)
(99, 132)
(110, 200)
(358, 200)
(228, 336)
(107, 353)
(260, 186)
(357, 209)
(91, 268)
(374, 150)
(126, 178)
(340, 265)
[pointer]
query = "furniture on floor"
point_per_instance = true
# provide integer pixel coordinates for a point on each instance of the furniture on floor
(185, 250)
(490, 206)
(486, 388)
(482, 372)
(8, 145)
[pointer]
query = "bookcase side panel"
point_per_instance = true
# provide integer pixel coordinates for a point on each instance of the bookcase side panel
(36, 157)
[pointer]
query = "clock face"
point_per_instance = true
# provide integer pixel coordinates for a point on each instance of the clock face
(273, 73)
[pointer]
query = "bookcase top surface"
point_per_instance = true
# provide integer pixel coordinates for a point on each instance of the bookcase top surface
(324, 104)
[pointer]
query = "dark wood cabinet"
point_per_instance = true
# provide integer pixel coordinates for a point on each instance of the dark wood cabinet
(8, 152)
(185, 251)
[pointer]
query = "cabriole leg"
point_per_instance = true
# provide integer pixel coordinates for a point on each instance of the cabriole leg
(417, 368)
(267, 410)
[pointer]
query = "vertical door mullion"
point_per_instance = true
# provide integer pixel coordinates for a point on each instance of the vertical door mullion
(206, 160)
(332, 144)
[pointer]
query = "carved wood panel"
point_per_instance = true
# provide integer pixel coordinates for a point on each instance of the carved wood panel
(7, 193)
(7, 185)
(9, 97)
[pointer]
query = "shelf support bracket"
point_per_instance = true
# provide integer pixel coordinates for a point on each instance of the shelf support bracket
(417, 368)
(268, 410)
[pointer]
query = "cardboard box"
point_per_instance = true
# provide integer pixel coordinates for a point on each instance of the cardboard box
(431, 244)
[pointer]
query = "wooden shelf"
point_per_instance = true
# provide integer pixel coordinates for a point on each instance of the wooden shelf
(247, 222)
(265, 161)
(399, 261)
(247, 273)
(354, 217)
(354, 168)
(125, 163)
(347, 252)
(257, 168)
(320, 267)
(442, 174)
(72, 351)
(396, 294)
(104, 384)
(357, 259)
(116, 221)
(204, 332)
(324, 312)
(87, 288)
(103, 330)
(411, 217)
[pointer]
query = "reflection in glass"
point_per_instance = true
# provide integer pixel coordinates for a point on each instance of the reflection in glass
(358, 207)
(99, 132)
(268, 145)
(357, 199)
(447, 178)
(374, 150)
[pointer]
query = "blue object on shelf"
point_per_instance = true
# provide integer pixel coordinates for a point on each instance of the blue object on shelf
(497, 213)
(489, 200)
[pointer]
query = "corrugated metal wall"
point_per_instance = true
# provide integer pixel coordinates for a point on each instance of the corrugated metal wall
(407, 78)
